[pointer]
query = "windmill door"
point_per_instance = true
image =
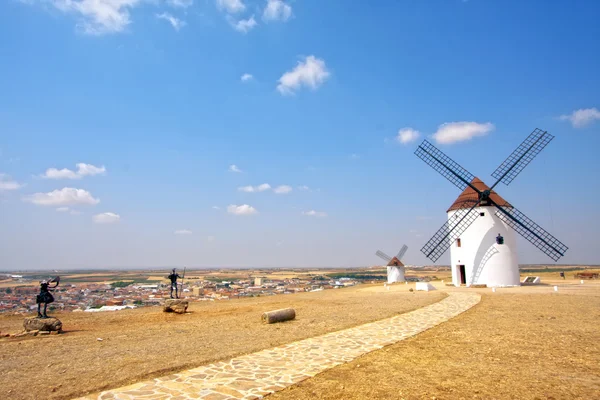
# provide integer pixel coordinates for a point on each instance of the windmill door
(462, 274)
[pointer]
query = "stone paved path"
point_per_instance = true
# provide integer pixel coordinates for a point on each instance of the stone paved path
(255, 375)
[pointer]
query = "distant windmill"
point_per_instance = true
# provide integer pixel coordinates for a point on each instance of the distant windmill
(486, 253)
(395, 268)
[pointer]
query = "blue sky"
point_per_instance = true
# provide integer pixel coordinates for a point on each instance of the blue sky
(157, 99)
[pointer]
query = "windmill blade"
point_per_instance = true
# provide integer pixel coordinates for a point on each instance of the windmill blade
(443, 164)
(382, 255)
(522, 156)
(402, 252)
(445, 236)
(531, 231)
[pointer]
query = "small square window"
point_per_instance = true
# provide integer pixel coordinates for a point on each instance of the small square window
(481, 214)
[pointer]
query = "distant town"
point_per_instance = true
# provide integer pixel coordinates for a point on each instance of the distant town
(121, 294)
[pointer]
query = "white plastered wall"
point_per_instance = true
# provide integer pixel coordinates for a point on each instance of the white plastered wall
(485, 261)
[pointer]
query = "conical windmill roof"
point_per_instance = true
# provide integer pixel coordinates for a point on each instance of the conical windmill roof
(469, 197)
(394, 262)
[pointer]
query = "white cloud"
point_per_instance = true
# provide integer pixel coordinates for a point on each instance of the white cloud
(304, 188)
(407, 135)
(6, 183)
(254, 189)
(313, 213)
(311, 72)
(63, 197)
(62, 209)
(246, 77)
(283, 189)
(216, 207)
(234, 168)
(106, 218)
(277, 10)
(82, 170)
(180, 3)
(244, 25)
(231, 6)
(98, 17)
(452, 132)
(183, 232)
(176, 23)
(582, 117)
(244, 209)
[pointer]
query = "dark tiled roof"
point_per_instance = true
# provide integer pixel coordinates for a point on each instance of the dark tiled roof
(469, 197)
(394, 262)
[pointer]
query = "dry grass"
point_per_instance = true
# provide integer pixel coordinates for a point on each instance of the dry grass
(144, 343)
(520, 343)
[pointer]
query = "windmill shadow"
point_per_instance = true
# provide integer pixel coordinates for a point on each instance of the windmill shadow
(481, 260)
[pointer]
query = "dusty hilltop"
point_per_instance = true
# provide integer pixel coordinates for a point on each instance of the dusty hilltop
(499, 341)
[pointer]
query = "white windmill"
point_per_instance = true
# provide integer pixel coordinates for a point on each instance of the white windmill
(395, 268)
(486, 253)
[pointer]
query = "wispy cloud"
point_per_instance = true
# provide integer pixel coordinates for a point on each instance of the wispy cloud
(216, 207)
(243, 25)
(582, 117)
(82, 171)
(183, 232)
(313, 213)
(180, 3)
(6, 183)
(244, 209)
(283, 189)
(176, 23)
(407, 135)
(231, 6)
(106, 218)
(246, 77)
(254, 189)
(277, 10)
(311, 73)
(304, 188)
(234, 168)
(453, 132)
(96, 17)
(63, 197)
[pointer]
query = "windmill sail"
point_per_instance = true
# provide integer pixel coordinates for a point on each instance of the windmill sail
(531, 231)
(382, 255)
(452, 229)
(402, 252)
(522, 156)
(443, 164)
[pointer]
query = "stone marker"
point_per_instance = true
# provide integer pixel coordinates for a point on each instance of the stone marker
(175, 305)
(42, 324)
(284, 314)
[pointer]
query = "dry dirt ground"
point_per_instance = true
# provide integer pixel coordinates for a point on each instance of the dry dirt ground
(143, 343)
(521, 343)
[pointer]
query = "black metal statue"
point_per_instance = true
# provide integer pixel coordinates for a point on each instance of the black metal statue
(45, 296)
(499, 239)
(173, 277)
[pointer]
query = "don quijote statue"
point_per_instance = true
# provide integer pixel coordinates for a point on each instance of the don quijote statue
(45, 296)
(173, 276)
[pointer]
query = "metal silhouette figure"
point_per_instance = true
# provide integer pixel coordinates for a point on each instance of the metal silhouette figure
(45, 297)
(173, 278)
